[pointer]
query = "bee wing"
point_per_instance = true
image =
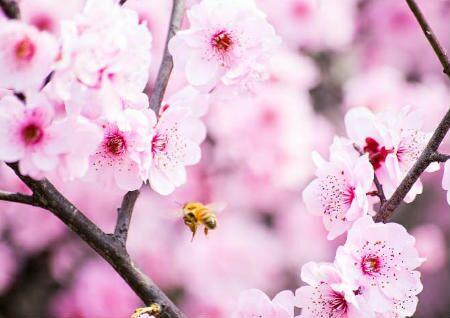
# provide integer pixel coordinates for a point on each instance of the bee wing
(174, 212)
(217, 207)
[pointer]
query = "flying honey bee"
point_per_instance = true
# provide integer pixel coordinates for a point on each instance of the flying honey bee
(196, 214)
(146, 312)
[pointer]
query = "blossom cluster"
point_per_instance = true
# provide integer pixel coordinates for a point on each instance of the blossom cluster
(75, 104)
(374, 273)
(383, 145)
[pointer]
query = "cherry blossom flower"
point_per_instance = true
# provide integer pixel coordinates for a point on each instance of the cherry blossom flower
(381, 258)
(105, 61)
(25, 135)
(26, 56)
(328, 294)
(228, 43)
(175, 144)
(254, 303)
(32, 135)
(123, 156)
(339, 191)
(393, 140)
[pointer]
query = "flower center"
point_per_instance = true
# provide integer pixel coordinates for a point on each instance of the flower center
(115, 144)
(370, 264)
(349, 195)
(32, 134)
(222, 41)
(42, 22)
(25, 49)
(377, 154)
(159, 143)
(337, 303)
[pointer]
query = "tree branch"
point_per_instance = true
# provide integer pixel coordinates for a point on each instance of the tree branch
(380, 191)
(167, 62)
(165, 69)
(10, 8)
(107, 246)
(124, 216)
(430, 153)
(110, 247)
(429, 34)
(18, 198)
(387, 209)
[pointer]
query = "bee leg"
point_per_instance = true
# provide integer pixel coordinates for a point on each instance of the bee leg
(193, 234)
(206, 231)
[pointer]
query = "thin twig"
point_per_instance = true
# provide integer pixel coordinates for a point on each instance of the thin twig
(166, 67)
(437, 47)
(387, 209)
(380, 191)
(18, 198)
(124, 216)
(429, 154)
(10, 8)
(439, 157)
(107, 246)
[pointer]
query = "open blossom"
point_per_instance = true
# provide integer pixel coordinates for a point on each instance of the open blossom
(32, 135)
(380, 259)
(254, 303)
(26, 55)
(123, 156)
(393, 140)
(25, 135)
(339, 191)
(328, 295)
(228, 42)
(175, 144)
(105, 61)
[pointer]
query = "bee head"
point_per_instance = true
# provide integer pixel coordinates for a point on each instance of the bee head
(190, 220)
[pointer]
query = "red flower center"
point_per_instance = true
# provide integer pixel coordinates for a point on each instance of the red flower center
(349, 195)
(25, 49)
(115, 144)
(370, 264)
(338, 303)
(159, 143)
(377, 154)
(42, 22)
(222, 41)
(32, 134)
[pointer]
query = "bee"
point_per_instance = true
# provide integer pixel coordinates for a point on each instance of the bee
(196, 214)
(146, 312)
